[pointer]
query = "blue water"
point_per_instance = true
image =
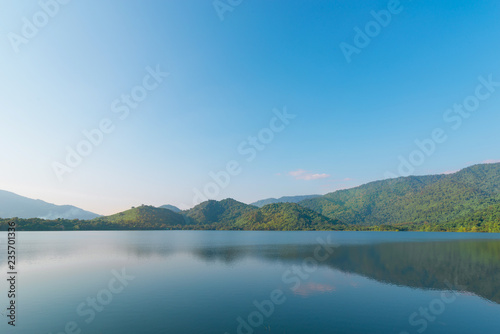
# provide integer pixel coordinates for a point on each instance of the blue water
(254, 282)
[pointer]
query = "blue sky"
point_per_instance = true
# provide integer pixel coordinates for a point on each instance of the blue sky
(227, 80)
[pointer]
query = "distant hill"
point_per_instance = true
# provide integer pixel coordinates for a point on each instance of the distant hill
(142, 217)
(433, 199)
(13, 205)
(226, 214)
(286, 217)
(284, 199)
(223, 212)
(170, 207)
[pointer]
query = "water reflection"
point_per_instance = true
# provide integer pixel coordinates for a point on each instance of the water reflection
(470, 265)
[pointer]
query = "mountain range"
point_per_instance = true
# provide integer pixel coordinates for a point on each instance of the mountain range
(468, 200)
(13, 205)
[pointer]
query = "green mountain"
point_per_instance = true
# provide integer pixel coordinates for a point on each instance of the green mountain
(142, 217)
(284, 199)
(286, 217)
(221, 213)
(435, 199)
(170, 207)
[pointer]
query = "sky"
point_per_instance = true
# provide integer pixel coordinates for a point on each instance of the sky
(108, 105)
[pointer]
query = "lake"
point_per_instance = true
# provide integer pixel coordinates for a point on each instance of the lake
(254, 282)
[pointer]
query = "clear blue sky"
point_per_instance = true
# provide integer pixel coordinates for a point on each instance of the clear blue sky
(353, 119)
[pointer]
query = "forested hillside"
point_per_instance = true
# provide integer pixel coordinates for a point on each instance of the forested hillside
(435, 199)
(286, 217)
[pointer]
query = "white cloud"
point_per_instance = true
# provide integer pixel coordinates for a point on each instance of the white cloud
(297, 172)
(301, 174)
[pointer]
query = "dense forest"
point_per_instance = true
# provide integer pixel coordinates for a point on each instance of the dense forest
(468, 196)
(286, 217)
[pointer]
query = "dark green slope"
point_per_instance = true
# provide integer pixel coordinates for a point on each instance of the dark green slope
(435, 199)
(223, 212)
(286, 217)
(482, 220)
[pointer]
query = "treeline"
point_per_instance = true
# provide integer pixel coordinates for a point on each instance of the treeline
(37, 224)
(487, 227)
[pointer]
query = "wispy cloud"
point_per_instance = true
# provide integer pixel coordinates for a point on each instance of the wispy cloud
(301, 174)
(491, 161)
(297, 172)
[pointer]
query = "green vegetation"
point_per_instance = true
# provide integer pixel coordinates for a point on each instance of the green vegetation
(221, 214)
(464, 198)
(286, 217)
(143, 217)
(467, 201)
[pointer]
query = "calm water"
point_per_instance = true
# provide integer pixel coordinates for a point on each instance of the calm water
(254, 282)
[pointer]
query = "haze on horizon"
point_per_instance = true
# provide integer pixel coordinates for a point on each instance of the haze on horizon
(287, 98)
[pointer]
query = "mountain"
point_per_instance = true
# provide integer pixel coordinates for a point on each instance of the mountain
(223, 212)
(286, 217)
(142, 217)
(170, 207)
(13, 205)
(284, 199)
(433, 199)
